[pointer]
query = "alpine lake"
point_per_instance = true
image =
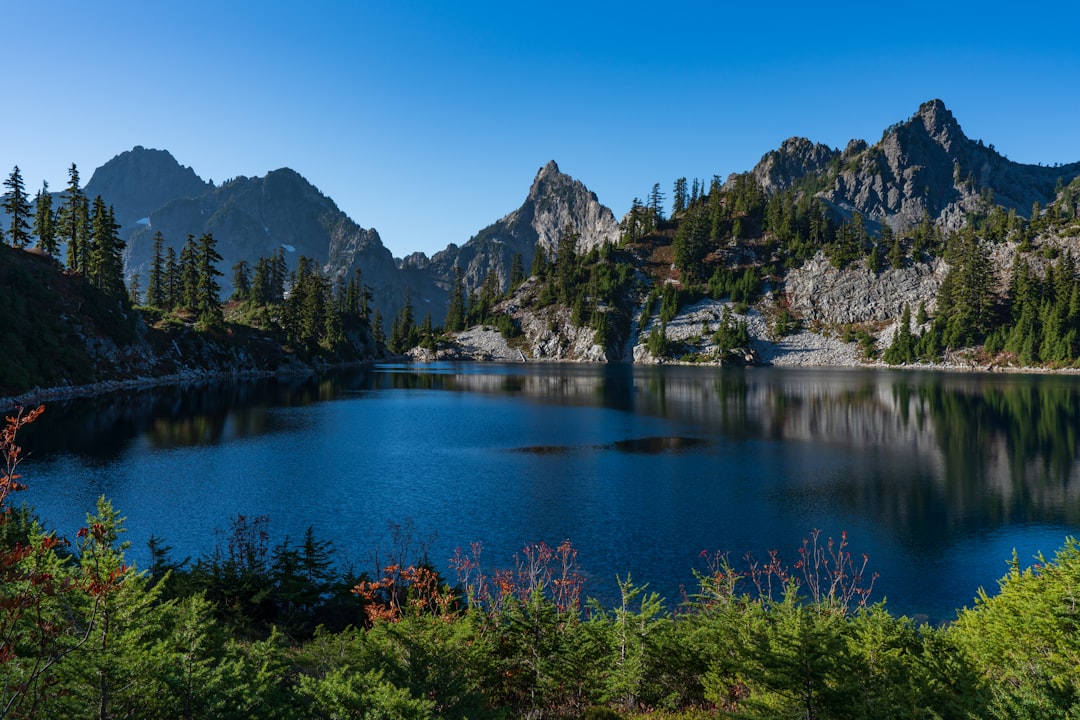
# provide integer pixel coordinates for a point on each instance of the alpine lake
(936, 477)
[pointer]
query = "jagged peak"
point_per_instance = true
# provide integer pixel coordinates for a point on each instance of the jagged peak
(938, 122)
(552, 168)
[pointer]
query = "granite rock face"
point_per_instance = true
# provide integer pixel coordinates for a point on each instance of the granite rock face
(923, 166)
(555, 201)
(819, 292)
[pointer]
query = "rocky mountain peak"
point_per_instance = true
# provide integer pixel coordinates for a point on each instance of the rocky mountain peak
(939, 124)
(796, 158)
(138, 181)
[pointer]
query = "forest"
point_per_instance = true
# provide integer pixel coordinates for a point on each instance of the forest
(267, 627)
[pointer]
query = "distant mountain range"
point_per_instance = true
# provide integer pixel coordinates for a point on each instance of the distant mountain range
(251, 217)
(924, 166)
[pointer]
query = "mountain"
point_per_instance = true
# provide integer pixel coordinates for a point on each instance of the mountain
(926, 165)
(252, 217)
(139, 181)
(555, 201)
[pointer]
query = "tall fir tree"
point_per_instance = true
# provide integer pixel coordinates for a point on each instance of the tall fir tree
(105, 264)
(72, 222)
(517, 272)
(17, 205)
(45, 221)
(174, 285)
(189, 274)
(208, 290)
(241, 281)
(158, 281)
(455, 314)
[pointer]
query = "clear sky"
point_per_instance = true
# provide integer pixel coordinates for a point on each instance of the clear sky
(429, 120)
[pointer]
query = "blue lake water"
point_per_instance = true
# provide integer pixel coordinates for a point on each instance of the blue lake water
(936, 477)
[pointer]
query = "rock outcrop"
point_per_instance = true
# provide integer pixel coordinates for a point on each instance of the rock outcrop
(555, 201)
(924, 166)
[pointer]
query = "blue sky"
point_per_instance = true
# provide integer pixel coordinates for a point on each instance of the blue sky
(429, 120)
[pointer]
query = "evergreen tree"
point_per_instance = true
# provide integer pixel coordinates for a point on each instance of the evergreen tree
(902, 349)
(207, 290)
(260, 282)
(105, 267)
(656, 203)
(189, 274)
(17, 205)
(517, 272)
(456, 313)
(241, 281)
(72, 221)
(891, 240)
(539, 264)
(134, 291)
(691, 243)
(403, 331)
(279, 270)
(158, 281)
(44, 221)
(678, 202)
(377, 328)
(174, 284)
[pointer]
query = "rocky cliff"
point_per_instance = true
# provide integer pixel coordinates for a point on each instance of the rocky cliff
(554, 202)
(924, 166)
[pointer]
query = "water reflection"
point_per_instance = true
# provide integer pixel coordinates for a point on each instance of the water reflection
(175, 416)
(672, 459)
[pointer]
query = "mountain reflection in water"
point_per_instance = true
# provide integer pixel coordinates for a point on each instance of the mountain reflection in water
(937, 476)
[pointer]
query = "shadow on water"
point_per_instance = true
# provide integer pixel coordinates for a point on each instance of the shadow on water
(645, 446)
(174, 416)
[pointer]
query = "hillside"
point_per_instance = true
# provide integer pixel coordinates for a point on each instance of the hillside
(62, 333)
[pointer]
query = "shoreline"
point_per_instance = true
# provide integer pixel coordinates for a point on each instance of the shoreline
(37, 396)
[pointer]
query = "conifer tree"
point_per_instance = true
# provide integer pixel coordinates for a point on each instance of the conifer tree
(517, 272)
(678, 203)
(174, 283)
(403, 331)
(158, 281)
(207, 289)
(17, 205)
(134, 291)
(73, 222)
(241, 281)
(456, 313)
(189, 274)
(44, 221)
(105, 253)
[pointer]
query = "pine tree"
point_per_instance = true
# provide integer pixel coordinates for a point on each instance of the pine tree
(678, 202)
(17, 205)
(207, 290)
(241, 281)
(656, 203)
(189, 274)
(403, 330)
(73, 222)
(105, 257)
(134, 291)
(456, 313)
(156, 287)
(174, 284)
(44, 221)
(517, 272)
